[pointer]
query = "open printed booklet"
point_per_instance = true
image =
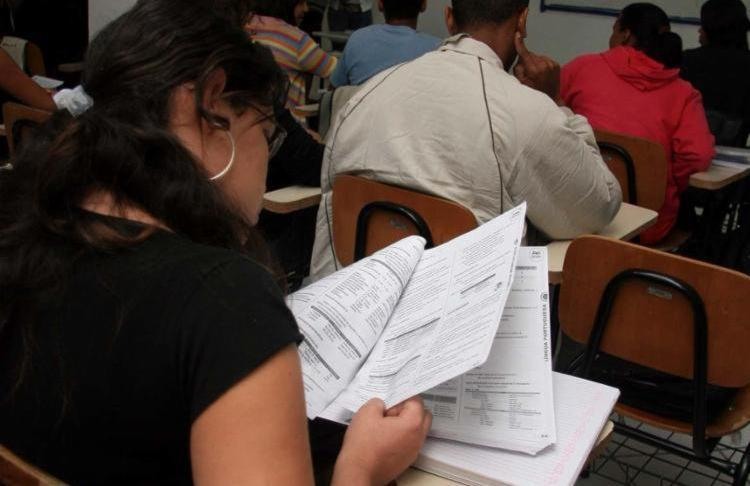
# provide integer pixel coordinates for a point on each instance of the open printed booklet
(408, 321)
(507, 402)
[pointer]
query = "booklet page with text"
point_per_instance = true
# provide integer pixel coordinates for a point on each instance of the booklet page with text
(405, 320)
(507, 402)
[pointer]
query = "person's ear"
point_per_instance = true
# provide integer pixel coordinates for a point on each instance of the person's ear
(381, 7)
(450, 21)
(424, 6)
(213, 90)
(627, 38)
(523, 19)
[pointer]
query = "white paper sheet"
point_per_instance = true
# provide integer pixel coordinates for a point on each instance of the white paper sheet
(507, 402)
(47, 83)
(342, 317)
(445, 323)
(582, 408)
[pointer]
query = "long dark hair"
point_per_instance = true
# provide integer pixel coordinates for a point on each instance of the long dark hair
(122, 145)
(236, 12)
(281, 9)
(650, 26)
(725, 23)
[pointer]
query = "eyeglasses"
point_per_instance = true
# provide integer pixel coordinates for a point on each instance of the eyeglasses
(276, 140)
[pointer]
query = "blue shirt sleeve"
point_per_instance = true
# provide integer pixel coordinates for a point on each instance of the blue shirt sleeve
(340, 76)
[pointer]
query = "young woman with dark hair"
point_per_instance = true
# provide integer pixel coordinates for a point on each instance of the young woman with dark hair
(274, 23)
(298, 162)
(142, 340)
(634, 88)
(720, 69)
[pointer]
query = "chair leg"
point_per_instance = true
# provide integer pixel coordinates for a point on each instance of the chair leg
(743, 469)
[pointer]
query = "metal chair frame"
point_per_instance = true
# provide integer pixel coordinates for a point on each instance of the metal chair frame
(363, 224)
(702, 446)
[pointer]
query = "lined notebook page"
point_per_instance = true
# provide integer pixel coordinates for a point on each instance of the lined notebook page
(582, 408)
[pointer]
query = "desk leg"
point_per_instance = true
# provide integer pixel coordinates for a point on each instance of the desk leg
(720, 235)
(737, 228)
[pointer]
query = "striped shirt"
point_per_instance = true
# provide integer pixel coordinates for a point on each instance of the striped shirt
(294, 51)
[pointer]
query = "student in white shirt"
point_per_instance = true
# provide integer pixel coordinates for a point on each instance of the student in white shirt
(454, 123)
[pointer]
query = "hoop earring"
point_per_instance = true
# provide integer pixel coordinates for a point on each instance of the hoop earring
(231, 159)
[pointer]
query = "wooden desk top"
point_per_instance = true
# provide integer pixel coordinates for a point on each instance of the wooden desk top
(291, 199)
(71, 67)
(629, 223)
(718, 177)
(306, 111)
(415, 477)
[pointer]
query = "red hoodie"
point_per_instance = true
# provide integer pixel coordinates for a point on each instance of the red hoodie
(625, 91)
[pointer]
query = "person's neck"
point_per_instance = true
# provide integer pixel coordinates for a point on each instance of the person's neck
(403, 23)
(499, 39)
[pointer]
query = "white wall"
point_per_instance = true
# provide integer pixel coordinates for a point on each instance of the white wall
(560, 35)
(563, 35)
(101, 12)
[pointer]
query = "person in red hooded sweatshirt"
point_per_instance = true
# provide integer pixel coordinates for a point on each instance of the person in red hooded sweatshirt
(635, 88)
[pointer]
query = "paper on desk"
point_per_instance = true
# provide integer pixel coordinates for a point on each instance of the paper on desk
(342, 316)
(47, 83)
(582, 408)
(507, 402)
(732, 154)
(732, 165)
(446, 320)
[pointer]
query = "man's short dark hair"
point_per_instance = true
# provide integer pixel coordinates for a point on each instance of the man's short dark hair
(401, 9)
(469, 13)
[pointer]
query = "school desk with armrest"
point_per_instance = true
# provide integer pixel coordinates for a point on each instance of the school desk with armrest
(71, 67)
(306, 111)
(640, 167)
(666, 314)
(629, 222)
(369, 215)
(290, 199)
(717, 177)
(717, 199)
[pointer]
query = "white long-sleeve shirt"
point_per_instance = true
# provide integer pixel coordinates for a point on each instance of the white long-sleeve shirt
(455, 124)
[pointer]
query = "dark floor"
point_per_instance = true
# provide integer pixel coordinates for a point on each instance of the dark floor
(631, 463)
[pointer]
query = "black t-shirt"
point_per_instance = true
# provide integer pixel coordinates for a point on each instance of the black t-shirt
(722, 76)
(134, 349)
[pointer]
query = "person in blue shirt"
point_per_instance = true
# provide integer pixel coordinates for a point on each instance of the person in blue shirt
(378, 47)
